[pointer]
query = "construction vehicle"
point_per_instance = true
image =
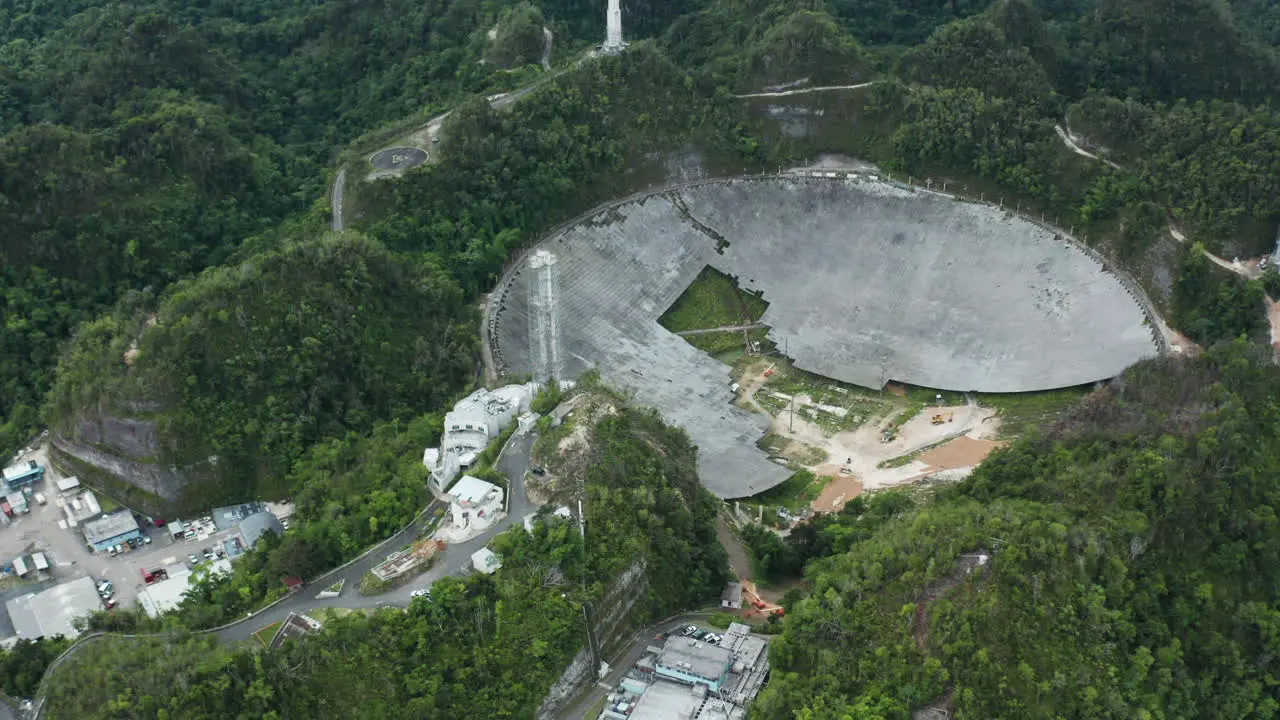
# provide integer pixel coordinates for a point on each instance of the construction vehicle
(941, 418)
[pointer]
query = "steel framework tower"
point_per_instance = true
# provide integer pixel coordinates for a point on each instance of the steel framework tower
(544, 316)
(613, 29)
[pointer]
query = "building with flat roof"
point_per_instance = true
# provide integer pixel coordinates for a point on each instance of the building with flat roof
(692, 661)
(69, 485)
(49, 613)
(486, 561)
(161, 597)
(732, 596)
(227, 518)
(23, 474)
(671, 682)
(17, 502)
(111, 529)
(473, 501)
(471, 424)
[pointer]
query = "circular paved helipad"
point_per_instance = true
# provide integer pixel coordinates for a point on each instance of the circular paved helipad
(398, 158)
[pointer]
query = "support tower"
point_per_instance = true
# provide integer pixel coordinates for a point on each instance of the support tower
(613, 29)
(544, 316)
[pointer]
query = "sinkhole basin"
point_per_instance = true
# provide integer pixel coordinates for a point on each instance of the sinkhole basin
(867, 282)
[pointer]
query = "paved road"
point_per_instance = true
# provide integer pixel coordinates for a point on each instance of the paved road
(805, 91)
(620, 664)
(454, 560)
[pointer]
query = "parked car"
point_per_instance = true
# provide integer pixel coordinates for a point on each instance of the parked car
(112, 551)
(208, 554)
(146, 539)
(699, 634)
(421, 592)
(689, 630)
(192, 557)
(119, 548)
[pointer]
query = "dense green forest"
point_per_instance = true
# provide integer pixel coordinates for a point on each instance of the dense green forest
(251, 363)
(1132, 551)
(483, 646)
(162, 174)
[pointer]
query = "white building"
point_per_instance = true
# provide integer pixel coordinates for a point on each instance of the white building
(486, 561)
(474, 421)
(473, 501)
(161, 597)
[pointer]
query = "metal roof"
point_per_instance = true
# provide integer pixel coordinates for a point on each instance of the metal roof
(255, 526)
(50, 613)
(109, 526)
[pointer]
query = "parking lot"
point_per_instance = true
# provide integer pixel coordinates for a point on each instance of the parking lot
(44, 529)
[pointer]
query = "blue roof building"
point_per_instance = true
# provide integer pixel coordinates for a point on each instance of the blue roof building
(20, 475)
(114, 529)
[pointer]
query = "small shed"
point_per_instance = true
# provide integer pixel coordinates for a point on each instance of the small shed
(40, 561)
(486, 561)
(20, 566)
(68, 485)
(17, 502)
(732, 596)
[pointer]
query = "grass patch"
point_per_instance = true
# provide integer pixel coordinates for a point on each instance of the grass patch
(1020, 413)
(719, 343)
(721, 620)
(265, 634)
(713, 299)
(596, 709)
(899, 461)
(929, 396)
(795, 493)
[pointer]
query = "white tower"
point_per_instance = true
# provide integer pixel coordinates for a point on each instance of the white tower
(544, 316)
(613, 29)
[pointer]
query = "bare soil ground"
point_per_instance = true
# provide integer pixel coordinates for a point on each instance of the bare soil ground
(964, 451)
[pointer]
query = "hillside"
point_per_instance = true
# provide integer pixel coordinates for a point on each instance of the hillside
(212, 390)
(480, 646)
(1131, 570)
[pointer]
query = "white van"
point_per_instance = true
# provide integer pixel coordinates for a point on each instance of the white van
(40, 498)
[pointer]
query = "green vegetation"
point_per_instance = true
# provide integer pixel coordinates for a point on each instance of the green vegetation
(1022, 413)
(164, 158)
(713, 300)
(23, 665)
(265, 634)
(1128, 556)
(720, 344)
(721, 620)
(795, 493)
(253, 363)
(523, 624)
(1212, 304)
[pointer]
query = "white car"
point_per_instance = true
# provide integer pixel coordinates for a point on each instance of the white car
(420, 592)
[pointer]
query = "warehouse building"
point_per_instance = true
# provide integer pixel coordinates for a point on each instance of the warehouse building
(112, 529)
(50, 613)
(688, 679)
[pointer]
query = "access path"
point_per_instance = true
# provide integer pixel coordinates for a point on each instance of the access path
(454, 560)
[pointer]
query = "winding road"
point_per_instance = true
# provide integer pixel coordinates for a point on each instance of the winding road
(805, 91)
(454, 560)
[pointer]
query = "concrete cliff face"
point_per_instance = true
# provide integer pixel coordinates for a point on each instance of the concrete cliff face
(120, 455)
(613, 625)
